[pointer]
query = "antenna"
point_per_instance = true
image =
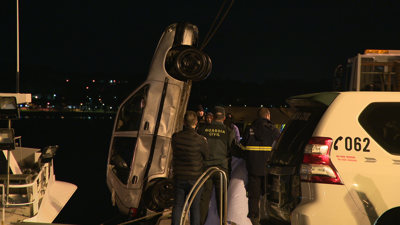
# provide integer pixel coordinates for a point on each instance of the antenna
(17, 81)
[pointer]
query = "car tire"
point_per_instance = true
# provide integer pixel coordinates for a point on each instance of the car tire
(159, 195)
(187, 63)
(392, 216)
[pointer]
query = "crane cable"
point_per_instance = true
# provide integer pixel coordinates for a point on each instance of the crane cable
(207, 39)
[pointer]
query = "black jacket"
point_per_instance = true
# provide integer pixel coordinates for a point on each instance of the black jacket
(257, 142)
(221, 140)
(189, 151)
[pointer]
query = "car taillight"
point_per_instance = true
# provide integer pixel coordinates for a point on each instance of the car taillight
(133, 212)
(317, 166)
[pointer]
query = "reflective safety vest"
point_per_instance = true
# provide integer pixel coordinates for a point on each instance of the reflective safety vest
(257, 145)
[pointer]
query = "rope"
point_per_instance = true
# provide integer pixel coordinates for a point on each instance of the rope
(208, 38)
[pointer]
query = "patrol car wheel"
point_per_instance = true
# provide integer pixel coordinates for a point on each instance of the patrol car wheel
(389, 217)
(188, 63)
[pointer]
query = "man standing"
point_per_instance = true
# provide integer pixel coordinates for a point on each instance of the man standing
(189, 151)
(221, 140)
(256, 143)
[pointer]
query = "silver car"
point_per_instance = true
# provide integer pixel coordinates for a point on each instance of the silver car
(139, 161)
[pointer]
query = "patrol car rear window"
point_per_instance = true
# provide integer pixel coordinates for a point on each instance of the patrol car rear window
(299, 129)
(381, 120)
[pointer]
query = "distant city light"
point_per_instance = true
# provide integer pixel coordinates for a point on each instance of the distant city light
(110, 107)
(69, 106)
(48, 103)
(81, 103)
(244, 105)
(87, 87)
(67, 80)
(54, 95)
(262, 106)
(36, 96)
(230, 105)
(93, 81)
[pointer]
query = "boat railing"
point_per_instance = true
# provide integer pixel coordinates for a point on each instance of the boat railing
(35, 190)
(197, 186)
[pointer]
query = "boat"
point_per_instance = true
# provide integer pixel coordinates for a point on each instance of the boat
(29, 191)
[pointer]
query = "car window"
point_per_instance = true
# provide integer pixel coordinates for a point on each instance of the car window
(381, 120)
(123, 149)
(299, 129)
(130, 114)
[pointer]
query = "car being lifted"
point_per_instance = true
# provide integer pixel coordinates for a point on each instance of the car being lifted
(140, 154)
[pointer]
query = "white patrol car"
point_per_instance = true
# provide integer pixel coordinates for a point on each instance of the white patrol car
(338, 159)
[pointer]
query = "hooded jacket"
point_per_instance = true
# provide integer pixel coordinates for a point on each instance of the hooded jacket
(257, 143)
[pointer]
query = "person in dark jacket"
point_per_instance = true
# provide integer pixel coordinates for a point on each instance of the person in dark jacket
(189, 151)
(229, 123)
(201, 117)
(221, 140)
(256, 144)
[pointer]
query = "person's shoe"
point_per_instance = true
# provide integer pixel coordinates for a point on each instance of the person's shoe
(255, 220)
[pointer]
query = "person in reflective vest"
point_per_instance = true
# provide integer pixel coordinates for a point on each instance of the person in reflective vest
(256, 144)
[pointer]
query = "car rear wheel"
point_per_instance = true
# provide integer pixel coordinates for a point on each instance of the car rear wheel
(160, 195)
(188, 63)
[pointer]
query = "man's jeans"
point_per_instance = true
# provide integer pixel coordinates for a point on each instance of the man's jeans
(181, 190)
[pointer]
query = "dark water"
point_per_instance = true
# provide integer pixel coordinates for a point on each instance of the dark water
(81, 159)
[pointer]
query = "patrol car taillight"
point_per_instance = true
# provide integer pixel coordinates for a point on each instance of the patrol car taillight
(317, 166)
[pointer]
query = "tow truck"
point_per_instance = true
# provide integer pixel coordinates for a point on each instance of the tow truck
(375, 70)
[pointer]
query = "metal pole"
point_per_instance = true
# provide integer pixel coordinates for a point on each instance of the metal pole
(8, 176)
(221, 197)
(17, 81)
(196, 187)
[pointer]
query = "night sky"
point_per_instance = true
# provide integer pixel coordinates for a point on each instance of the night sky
(257, 40)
